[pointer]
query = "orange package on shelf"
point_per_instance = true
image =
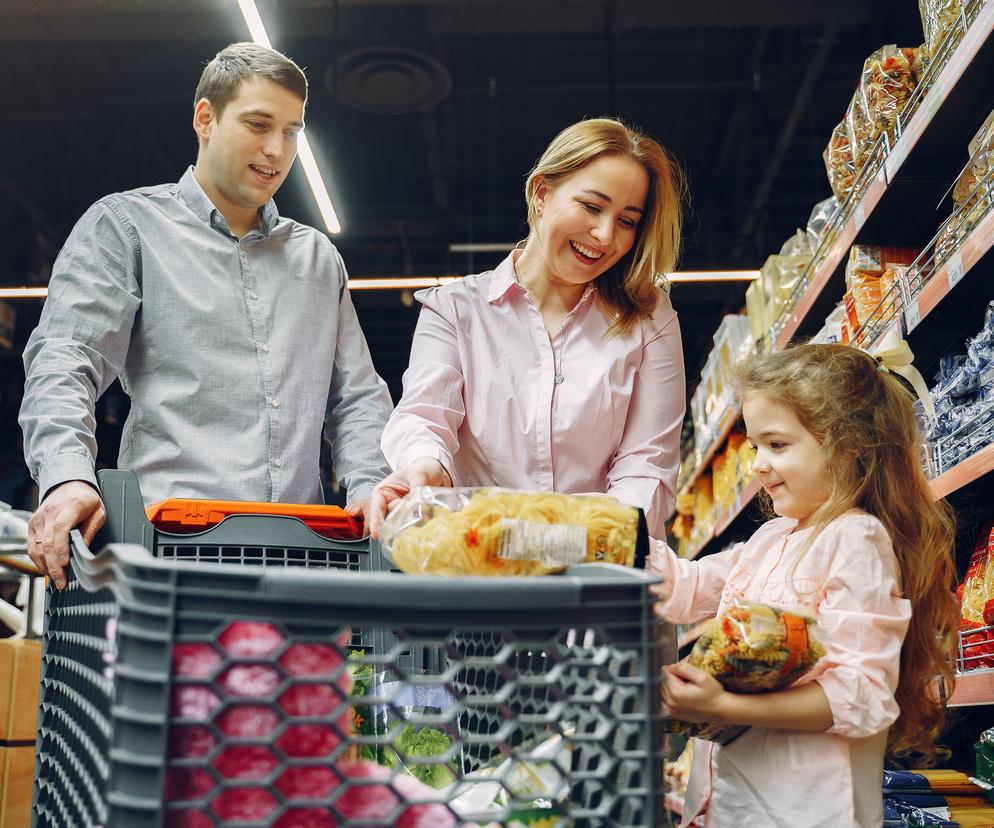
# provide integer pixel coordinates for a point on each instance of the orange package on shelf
(188, 516)
(976, 591)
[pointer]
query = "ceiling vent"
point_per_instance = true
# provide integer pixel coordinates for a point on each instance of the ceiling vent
(388, 80)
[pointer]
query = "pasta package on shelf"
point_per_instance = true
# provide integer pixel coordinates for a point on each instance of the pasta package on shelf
(683, 521)
(976, 597)
(973, 193)
(751, 648)
(870, 274)
(789, 268)
(840, 160)
(860, 131)
(704, 516)
(939, 17)
(890, 76)
(821, 217)
(491, 531)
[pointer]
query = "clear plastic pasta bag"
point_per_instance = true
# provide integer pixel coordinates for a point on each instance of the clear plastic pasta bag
(751, 648)
(492, 531)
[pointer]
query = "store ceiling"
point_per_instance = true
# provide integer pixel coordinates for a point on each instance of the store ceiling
(98, 94)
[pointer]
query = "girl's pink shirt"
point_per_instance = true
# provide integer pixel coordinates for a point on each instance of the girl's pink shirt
(849, 581)
(481, 395)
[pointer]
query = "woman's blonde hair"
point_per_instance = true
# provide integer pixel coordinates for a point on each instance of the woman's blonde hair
(864, 420)
(630, 289)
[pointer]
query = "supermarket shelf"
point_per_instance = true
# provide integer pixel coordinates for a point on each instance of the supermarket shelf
(691, 635)
(975, 687)
(949, 112)
(728, 422)
(974, 247)
(742, 499)
(964, 473)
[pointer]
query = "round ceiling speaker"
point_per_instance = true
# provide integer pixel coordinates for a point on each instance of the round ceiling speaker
(388, 80)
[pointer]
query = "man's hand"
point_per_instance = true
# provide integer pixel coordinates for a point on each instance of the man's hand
(69, 505)
(423, 472)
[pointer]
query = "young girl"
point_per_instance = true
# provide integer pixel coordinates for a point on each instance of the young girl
(861, 546)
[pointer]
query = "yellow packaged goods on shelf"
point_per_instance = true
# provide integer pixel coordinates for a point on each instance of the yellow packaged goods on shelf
(491, 531)
(752, 648)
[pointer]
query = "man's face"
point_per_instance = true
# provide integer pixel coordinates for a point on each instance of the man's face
(246, 153)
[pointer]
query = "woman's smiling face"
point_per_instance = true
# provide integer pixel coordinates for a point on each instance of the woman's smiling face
(589, 220)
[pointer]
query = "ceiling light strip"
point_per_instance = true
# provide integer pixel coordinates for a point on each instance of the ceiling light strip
(257, 31)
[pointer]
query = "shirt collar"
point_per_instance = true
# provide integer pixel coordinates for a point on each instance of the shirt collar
(505, 278)
(196, 199)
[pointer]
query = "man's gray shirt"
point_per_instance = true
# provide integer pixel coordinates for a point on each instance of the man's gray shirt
(234, 353)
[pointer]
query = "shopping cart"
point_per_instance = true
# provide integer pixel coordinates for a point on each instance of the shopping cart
(179, 690)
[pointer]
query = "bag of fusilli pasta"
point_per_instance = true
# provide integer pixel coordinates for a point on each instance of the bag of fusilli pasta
(751, 648)
(492, 531)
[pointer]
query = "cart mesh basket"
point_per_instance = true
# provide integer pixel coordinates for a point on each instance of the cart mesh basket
(180, 693)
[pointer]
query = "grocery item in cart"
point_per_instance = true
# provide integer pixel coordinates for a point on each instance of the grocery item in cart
(939, 17)
(888, 80)
(752, 648)
(492, 531)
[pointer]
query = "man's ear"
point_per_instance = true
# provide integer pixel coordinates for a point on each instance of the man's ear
(203, 118)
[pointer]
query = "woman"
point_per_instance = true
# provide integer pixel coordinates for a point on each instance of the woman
(562, 369)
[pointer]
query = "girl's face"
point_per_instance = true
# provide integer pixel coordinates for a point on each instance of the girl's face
(589, 220)
(790, 463)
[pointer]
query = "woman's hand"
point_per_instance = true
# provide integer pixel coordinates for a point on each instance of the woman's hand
(426, 471)
(692, 695)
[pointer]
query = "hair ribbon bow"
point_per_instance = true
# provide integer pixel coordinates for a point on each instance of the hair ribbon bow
(894, 354)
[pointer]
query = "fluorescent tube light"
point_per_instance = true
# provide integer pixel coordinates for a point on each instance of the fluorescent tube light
(400, 282)
(483, 247)
(257, 30)
(23, 292)
(713, 276)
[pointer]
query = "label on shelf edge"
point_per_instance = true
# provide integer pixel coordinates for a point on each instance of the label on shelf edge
(859, 217)
(954, 269)
(912, 315)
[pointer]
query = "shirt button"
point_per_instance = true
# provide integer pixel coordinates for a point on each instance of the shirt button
(275, 403)
(559, 378)
(278, 462)
(253, 295)
(264, 348)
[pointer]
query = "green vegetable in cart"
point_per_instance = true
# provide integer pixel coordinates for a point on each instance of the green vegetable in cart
(410, 742)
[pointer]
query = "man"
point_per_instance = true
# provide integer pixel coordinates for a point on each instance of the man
(230, 327)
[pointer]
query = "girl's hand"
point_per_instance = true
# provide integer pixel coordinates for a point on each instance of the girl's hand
(692, 695)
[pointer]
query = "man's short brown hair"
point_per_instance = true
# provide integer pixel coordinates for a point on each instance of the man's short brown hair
(240, 61)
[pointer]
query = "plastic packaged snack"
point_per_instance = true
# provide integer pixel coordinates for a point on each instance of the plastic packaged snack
(888, 80)
(491, 531)
(752, 648)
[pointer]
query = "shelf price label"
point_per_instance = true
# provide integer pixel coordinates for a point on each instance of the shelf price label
(860, 217)
(912, 315)
(954, 269)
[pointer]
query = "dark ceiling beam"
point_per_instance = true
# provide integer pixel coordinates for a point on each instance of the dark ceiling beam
(762, 192)
(189, 20)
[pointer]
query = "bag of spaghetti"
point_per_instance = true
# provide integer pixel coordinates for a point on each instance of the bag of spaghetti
(751, 648)
(492, 531)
